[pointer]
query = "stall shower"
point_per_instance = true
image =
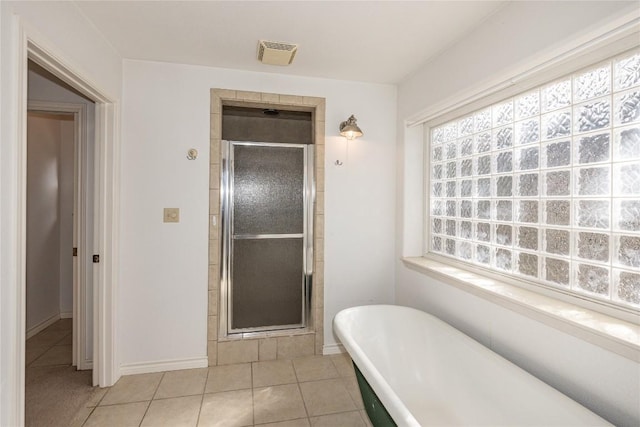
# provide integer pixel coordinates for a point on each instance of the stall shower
(267, 209)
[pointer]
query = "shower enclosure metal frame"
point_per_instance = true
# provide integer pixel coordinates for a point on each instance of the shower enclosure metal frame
(227, 239)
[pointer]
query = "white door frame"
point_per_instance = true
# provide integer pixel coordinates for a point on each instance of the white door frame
(81, 240)
(29, 44)
(105, 370)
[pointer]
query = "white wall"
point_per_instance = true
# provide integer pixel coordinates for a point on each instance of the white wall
(163, 283)
(66, 179)
(504, 42)
(60, 26)
(49, 218)
(43, 219)
(604, 382)
(63, 30)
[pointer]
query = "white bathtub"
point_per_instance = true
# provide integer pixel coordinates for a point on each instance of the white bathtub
(427, 373)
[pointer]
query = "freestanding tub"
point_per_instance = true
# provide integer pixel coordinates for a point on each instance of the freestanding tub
(427, 373)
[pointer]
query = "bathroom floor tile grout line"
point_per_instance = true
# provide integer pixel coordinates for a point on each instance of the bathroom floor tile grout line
(94, 408)
(152, 398)
(125, 403)
(60, 340)
(295, 372)
(204, 389)
(165, 398)
(56, 344)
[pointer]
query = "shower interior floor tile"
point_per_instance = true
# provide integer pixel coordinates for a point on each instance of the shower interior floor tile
(310, 391)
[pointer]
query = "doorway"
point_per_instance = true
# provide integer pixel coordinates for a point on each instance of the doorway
(61, 121)
(59, 229)
(50, 205)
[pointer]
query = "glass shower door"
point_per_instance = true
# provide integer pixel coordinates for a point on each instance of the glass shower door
(266, 235)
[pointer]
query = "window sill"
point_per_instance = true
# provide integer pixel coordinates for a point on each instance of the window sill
(612, 334)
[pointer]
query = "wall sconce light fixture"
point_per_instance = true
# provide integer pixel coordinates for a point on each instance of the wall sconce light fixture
(349, 129)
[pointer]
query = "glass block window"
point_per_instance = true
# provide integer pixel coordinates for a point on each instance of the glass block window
(545, 186)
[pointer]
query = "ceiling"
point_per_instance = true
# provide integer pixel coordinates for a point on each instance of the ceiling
(371, 41)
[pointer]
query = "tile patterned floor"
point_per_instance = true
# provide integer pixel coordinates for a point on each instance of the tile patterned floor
(54, 390)
(50, 347)
(311, 391)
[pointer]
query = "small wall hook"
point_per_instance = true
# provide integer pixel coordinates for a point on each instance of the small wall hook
(338, 163)
(192, 154)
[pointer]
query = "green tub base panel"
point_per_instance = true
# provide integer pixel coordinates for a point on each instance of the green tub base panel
(377, 413)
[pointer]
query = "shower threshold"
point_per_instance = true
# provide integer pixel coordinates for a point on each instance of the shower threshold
(268, 334)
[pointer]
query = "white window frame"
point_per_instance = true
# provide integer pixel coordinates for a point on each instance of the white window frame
(587, 55)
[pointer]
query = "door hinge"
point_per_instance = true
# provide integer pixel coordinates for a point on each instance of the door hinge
(75, 251)
(96, 259)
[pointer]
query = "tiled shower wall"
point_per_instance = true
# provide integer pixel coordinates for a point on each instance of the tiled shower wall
(277, 345)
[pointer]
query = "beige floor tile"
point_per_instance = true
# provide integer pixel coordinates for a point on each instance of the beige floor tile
(129, 414)
(132, 388)
(351, 384)
(229, 408)
(229, 377)
(98, 394)
(56, 355)
(62, 325)
(33, 352)
(344, 419)
(67, 340)
(278, 403)
(365, 418)
(187, 382)
(80, 417)
(314, 368)
(300, 422)
(174, 412)
(343, 364)
(47, 338)
(273, 372)
(326, 397)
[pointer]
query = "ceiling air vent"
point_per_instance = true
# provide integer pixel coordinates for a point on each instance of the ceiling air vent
(276, 53)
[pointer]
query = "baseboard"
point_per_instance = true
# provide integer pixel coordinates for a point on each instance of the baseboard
(163, 365)
(66, 315)
(333, 349)
(42, 325)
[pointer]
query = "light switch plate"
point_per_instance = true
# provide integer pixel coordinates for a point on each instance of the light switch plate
(171, 214)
